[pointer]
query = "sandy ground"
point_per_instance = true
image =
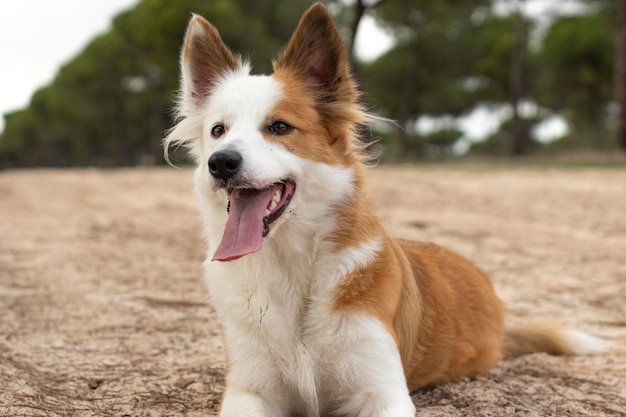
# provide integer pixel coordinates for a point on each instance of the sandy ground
(103, 310)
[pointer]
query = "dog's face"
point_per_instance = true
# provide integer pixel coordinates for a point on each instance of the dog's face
(243, 153)
(274, 145)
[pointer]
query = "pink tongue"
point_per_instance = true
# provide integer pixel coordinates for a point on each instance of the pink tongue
(243, 233)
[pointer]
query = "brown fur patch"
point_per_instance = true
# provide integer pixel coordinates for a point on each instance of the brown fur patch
(310, 138)
(461, 326)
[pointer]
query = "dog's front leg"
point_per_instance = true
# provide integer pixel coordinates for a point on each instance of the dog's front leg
(254, 385)
(254, 389)
(371, 379)
(238, 402)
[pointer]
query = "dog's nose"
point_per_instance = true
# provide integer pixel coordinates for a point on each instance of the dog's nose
(225, 164)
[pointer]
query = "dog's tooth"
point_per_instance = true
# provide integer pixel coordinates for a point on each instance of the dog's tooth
(273, 205)
(267, 213)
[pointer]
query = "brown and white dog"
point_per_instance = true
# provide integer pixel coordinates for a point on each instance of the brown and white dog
(324, 313)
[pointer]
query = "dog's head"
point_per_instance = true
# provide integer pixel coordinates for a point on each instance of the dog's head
(274, 144)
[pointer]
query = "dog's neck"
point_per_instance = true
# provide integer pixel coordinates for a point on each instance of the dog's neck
(347, 223)
(355, 222)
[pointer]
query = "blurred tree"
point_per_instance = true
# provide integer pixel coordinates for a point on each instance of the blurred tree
(620, 82)
(359, 9)
(490, 62)
(501, 72)
(518, 135)
(575, 69)
(19, 135)
(442, 63)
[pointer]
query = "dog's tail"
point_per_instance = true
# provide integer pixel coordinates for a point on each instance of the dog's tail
(552, 339)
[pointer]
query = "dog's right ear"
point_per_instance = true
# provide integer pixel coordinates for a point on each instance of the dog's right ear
(204, 59)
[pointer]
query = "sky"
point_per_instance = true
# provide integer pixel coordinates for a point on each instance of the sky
(38, 36)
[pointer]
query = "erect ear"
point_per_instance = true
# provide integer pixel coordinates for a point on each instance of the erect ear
(316, 53)
(204, 59)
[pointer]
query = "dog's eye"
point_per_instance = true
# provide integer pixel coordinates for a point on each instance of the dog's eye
(217, 131)
(279, 128)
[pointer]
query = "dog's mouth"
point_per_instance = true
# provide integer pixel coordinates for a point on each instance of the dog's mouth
(251, 213)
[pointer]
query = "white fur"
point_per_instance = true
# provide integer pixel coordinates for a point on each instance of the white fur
(287, 344)
(582, 343)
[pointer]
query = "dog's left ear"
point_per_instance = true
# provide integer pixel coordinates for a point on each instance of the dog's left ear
(316, 53)
(204, 59)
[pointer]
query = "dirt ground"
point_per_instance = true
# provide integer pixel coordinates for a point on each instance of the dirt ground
(103, 310)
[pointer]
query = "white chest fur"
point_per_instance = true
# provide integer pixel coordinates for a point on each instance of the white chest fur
(284, 336)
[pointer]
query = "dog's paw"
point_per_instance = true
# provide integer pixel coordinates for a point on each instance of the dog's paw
(237, 403)
(374, 405)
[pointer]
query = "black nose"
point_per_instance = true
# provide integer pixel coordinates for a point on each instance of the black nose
(225, 164)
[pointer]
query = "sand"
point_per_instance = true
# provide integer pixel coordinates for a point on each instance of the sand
(104, 311)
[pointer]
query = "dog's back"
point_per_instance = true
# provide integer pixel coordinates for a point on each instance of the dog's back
(461, 326)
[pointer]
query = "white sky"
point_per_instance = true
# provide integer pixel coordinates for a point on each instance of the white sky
(38, 36)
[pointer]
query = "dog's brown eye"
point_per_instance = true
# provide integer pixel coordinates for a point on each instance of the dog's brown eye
(218, 131)
(279, 128)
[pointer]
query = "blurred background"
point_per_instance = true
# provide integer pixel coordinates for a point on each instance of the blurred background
(504, 78)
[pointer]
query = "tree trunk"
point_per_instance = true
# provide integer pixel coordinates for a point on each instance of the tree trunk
(620, 82)
(359, 10)
(403, 144)
(518, 140)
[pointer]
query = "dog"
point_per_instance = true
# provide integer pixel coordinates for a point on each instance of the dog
(324, 313)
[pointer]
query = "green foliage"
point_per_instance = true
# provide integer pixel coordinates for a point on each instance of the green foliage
(575, 68)
(427, 72)
(455, 55)
(111, 104)
(491, 45)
